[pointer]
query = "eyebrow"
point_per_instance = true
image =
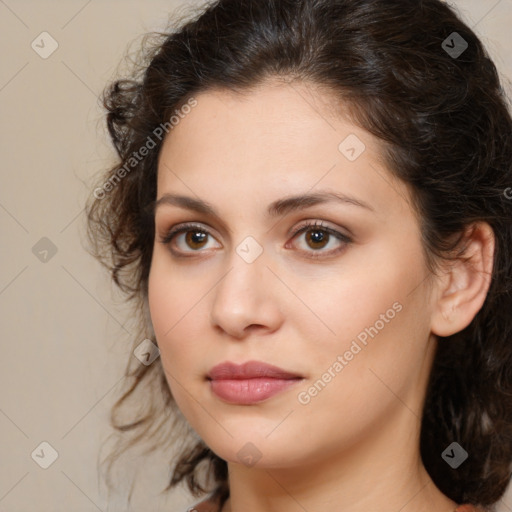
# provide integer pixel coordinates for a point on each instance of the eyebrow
(277, 208)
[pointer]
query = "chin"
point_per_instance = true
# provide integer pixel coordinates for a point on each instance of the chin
(255, 451)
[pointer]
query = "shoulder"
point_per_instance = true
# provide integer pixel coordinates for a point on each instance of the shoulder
(469, 508)
(209, 506)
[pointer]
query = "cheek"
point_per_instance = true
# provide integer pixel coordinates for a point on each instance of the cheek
(175, 305)
(168, 311)
(354, 385)
(167, 301)
(170, 294)
(162, 303)
(370, 319)
(342, 305)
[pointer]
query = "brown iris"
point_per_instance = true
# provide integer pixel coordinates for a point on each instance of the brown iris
(195, 237)
(317, 236)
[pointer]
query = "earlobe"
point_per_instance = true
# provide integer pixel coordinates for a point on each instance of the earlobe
(463, 288)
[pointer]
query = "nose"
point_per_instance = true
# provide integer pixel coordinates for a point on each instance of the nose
(246, 299)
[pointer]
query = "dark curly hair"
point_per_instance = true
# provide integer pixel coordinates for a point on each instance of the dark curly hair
(443, 117)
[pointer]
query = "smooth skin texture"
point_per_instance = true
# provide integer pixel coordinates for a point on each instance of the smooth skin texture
(355, 446)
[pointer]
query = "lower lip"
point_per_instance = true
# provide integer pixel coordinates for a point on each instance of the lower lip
(250, 391)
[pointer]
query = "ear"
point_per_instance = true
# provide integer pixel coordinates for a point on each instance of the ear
(463, 288)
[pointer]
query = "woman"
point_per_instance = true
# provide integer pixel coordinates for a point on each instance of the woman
(311, 212)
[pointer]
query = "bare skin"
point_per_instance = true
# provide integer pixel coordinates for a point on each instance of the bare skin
(353, 445)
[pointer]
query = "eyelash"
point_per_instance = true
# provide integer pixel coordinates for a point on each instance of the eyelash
(311, 226)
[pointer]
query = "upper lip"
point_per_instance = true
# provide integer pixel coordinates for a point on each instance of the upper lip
(249, 370)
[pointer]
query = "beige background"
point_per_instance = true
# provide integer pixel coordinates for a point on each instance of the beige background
(65, 340)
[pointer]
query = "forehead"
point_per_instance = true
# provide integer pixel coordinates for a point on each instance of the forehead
(272, 101)
(298, 120)
(277, 134)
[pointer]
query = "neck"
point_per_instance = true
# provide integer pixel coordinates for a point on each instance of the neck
(383, 473)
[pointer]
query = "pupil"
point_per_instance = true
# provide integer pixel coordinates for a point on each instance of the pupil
(318, 236)
(195, 237)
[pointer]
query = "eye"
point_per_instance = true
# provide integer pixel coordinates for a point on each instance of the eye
(319, 236)
(195, 238)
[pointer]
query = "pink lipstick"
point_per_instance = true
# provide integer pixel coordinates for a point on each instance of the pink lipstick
(249, 383)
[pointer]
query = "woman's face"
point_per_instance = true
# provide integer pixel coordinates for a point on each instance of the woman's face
(346, 310)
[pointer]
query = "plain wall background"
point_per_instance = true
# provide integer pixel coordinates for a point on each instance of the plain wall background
(65, 334)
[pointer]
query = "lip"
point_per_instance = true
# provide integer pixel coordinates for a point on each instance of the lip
(249, 383)
(249, 370)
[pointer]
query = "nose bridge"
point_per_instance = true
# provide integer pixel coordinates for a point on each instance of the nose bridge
(246, 265)
(243, 296)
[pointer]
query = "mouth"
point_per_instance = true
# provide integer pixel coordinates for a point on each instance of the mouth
(249, 383)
